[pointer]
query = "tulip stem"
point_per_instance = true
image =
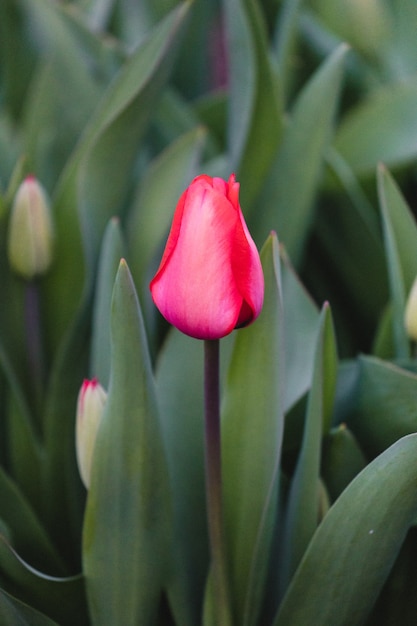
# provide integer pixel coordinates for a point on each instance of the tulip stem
(34, 342)
(221, 600)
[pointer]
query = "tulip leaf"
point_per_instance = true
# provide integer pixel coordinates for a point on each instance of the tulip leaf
(302, 513)
(362, 533)
(111, 253)
(255, 113)
(287, 198)
(285, 38)
(128, 511)
(381, 128)
(26, 533)
(384, 408)
(62, 490)
(92, 182)
(342, 460)
(16, 613)
(62, 599)
(252, 429)
(180, 398)
(400, 237)
(300, 324)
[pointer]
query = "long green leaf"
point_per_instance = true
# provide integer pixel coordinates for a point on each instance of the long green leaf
(287, 198)
(255, 113)
(111, 253)
(354, 548)
(400, 237)
(252, 428)
(384, 395)
(92, 188)
(62, 599)
(303, 500)
(300, 333)
(128, 512)
(15, 613)
(381, 128)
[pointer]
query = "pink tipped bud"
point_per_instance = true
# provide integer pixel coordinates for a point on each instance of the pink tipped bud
(30, 237)
(91, 401)
(410, 316)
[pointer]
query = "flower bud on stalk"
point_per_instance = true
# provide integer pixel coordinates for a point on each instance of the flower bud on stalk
(91, 401)
(210, 279)
(30, 240)
(410, 315)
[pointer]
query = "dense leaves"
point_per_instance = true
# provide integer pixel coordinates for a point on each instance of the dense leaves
(115, 106)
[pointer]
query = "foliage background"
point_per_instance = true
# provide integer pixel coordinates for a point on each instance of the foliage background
(115, 105)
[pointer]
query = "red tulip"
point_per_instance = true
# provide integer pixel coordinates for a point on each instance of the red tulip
(210, 279)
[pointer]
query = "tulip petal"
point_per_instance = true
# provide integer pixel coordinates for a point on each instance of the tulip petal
(210, 278)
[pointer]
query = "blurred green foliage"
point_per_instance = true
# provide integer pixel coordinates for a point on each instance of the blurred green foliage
(115, 105)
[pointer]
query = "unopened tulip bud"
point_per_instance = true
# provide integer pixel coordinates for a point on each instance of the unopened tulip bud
(91, 401)
(410, 316)
(210, 279)
(30, 241)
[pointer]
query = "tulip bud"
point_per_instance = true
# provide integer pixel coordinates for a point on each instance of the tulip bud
(91, 401)
(30, 240)
(210, 279)
(410, 316)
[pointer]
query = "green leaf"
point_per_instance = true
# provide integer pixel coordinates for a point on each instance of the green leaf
(287, 198)
(128, 513)
(15, 613)
(400, 238)
(92, 182)
(255, 113)
(252, 428)
(380, 128)
(179, 379)
(384, 407)
(355, 546)
(26, 533)
(180, 384)
(300, 333)
(111, 253)
(342, 460)
(62, 599)
(285, 42)
(302, 513)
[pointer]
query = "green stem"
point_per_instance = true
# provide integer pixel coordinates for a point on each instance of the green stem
(34, 343)
(221, 600)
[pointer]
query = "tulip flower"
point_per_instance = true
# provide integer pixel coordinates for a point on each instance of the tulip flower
(30, 240)
(410, 315)
(91, 401)
(210, 279)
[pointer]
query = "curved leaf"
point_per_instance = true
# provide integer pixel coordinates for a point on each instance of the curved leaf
(255, 113)
(355, 546)
(384, 407)
(15, 613)
(287, 197)
(92, 189)
(128, 505)
(302, 513)
(111, 253)
(252, 428)
(381, 128)
(400, 238)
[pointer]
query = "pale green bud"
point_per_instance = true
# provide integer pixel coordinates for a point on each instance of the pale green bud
(91, 401)
(30, 240)
(410, 316)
